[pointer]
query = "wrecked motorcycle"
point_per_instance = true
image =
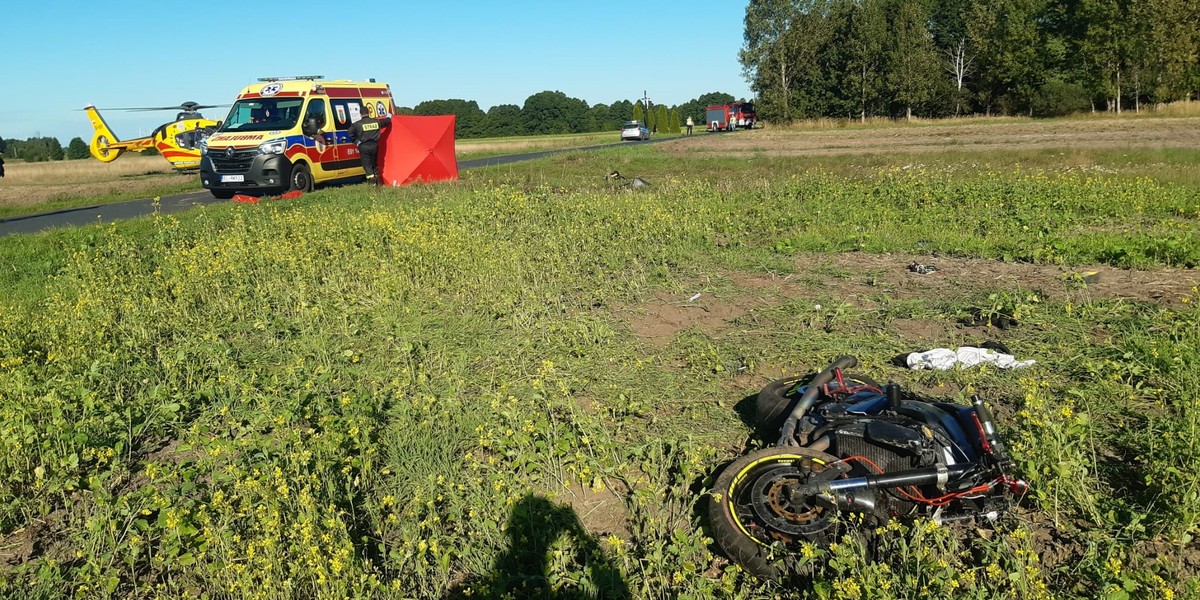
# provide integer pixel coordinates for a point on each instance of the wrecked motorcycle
(848, 446)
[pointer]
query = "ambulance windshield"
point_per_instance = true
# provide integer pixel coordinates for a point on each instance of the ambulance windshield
(263, 114)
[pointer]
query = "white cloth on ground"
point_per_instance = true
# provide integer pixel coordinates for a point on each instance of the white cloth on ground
(943, 359)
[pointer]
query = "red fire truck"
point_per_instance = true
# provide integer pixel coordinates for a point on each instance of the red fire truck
(728, 117)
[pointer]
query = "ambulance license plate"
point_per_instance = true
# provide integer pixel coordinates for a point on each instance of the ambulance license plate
(233, 178)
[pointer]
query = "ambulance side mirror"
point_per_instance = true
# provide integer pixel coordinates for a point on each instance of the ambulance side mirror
(309, 127)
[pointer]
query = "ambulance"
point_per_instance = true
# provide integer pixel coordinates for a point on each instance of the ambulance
(290, 133)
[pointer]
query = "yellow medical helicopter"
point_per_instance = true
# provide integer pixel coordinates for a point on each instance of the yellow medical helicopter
(177, 141)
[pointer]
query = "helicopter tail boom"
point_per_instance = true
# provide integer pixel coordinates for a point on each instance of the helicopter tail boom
(106, 146)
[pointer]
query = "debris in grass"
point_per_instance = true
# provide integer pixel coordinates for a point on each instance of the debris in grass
(980, 318)
(695, 297)
(921, 269)
(616, 176)
(943, 359)
(247, 199)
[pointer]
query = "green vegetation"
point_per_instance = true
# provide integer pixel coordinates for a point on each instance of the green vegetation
(932, 58)
(438, 391)
(556, 113)
(77, 149)
(36, 149)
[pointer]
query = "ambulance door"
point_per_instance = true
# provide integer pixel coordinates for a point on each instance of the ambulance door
(345, 113)
(319, 140)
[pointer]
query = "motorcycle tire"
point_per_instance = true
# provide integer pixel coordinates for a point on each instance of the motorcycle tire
(748, 512)
(772, 405)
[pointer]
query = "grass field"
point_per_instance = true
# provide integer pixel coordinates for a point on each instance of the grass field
(507, 386)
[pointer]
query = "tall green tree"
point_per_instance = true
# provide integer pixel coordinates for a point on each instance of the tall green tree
(781, 56)
(598, 117)
(948, 26)
(1010, 51)
(863, 36)
(1105, 46)
(504, 120)
(554, 112)
(1173, 42)
(618, 113)
(771, 49)
(77, 149)
(913, 68)
(469, 120)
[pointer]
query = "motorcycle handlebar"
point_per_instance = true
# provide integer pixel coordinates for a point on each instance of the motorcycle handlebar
(810, 394)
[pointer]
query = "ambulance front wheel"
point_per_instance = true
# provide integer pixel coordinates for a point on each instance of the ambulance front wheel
(301, 179)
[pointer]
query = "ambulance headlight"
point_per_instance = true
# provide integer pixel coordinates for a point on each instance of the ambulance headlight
(203, 147)
(273, 147)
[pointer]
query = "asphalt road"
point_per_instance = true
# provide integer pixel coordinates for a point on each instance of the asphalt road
(85, 215)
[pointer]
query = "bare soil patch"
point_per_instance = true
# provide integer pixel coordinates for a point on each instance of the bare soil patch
(602, 512)
(658, 322)
(856, 278)
(40, 537)
(969, 135)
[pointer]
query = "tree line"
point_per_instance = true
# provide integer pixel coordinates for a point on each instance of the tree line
(553, 112)
(41, 149)
(936, 58)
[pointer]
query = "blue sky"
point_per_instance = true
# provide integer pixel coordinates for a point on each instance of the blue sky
(63, 55)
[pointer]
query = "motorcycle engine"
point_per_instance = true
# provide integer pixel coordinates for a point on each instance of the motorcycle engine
(887, 445)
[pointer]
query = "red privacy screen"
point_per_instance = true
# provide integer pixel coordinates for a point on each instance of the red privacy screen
(417, 149)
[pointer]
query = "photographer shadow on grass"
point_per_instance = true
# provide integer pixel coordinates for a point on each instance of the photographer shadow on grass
(537, 530)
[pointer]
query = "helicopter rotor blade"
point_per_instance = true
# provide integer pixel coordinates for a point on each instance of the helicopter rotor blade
(186, 106)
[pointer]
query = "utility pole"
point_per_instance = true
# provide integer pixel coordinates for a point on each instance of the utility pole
(646, 105)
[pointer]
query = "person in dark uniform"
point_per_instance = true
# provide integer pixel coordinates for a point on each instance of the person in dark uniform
(365, 133)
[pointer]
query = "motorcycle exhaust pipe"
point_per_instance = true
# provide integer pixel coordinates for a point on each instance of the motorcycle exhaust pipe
(820, 444)
(842, 488)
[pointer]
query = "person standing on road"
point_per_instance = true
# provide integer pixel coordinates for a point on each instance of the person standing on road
(690, 124)
(365, 133)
